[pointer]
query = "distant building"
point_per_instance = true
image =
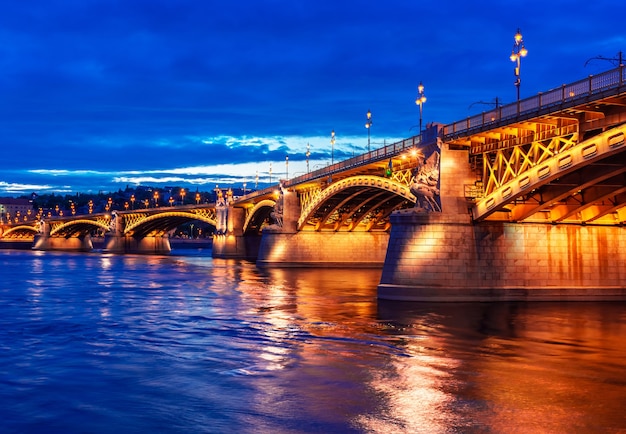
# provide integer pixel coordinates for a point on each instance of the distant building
(10, 207)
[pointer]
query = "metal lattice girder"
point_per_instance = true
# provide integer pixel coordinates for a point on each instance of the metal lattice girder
(578, 177)
(157, 224)
(21, 231)
(257, 215)
(359, 201)
(503, 165)
(79, 227)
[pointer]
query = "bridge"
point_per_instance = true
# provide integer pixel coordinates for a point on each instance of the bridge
(462, 211)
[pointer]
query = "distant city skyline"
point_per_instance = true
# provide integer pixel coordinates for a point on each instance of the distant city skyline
(98, 95)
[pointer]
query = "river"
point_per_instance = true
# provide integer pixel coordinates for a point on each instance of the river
(99, 343)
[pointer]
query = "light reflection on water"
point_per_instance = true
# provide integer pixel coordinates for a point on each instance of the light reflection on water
(186, 343)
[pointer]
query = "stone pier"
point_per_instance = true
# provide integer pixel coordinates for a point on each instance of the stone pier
(446, 257)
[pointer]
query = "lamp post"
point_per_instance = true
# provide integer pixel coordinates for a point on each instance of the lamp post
(270, 173)
(132, 201)
(518, 51)
(308, 154)
(332, 146)
(420, 100)
(198, 196)
(287, 167)
(182, 196)
(368, 125)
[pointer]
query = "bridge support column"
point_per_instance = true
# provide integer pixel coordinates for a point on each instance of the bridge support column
(114, 243)
(233, 244)
(444, 256)
(328, 249)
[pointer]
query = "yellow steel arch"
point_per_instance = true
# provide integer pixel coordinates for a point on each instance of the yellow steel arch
(366, 181)
(61, 228)
(576, 156)
(252, 212)
(18, 229)
(207, 217)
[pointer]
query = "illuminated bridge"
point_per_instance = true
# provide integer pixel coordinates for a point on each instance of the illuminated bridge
(525, 197)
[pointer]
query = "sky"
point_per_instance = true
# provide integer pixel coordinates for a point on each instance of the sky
(98, 95)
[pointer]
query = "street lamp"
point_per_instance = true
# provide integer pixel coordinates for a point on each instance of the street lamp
(182, 196)
(198, 196)
(368, 125)
(308, 154)
(270, 173)
(332, 147)
(287, 167)
(132, 201)
(518, 51)
(420, 100)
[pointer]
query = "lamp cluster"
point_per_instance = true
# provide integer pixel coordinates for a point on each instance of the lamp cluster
(518, 51)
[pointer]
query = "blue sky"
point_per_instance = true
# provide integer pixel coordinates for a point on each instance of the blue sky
(96, 95)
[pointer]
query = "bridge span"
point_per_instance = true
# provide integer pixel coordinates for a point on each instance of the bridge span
(525, 201)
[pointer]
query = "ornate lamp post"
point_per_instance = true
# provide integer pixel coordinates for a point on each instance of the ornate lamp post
(182, 196)
(518, 51)
(332, 146)
(308, 154)
(368, 125)
(420, 100)
(132, 201)
(198, 197)
(287, 167)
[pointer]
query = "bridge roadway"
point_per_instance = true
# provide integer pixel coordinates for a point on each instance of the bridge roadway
(470, 206)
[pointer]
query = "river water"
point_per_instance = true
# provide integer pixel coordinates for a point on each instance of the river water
(98, 343)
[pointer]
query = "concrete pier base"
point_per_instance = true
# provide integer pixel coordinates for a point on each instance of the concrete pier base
(436, 257)
(235, 247)
(148, 245)
(45, 242)
(327, 249)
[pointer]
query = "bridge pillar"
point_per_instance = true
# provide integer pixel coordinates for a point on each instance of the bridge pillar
(43, 241)
(232, 243)
(446, 257)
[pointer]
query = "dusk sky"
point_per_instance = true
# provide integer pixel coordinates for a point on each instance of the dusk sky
(96, 95)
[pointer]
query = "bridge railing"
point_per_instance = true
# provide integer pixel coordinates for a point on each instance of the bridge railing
(565, 96)
(561, 97)
(379, 154)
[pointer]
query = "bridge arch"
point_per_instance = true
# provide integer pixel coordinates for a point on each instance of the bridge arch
(78, 227)
(21, 231)
(361, 203)
(257, 215)
(565, 184)
(141, 225)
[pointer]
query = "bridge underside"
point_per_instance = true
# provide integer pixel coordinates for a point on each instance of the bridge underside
(359, 203)
(561, 164)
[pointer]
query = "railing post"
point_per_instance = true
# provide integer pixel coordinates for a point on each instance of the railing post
(590, 75)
